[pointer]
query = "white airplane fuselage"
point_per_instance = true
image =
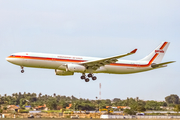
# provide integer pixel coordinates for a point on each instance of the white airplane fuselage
(55, 61)
(65, 65)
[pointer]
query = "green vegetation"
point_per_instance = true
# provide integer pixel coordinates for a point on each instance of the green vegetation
(23, 111)
(177, 108)
(67, 112)
(55, 103)
(1, 110)
(172, 100)
(51, 111)
(129, 111)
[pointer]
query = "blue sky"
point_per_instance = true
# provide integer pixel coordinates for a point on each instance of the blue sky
(94, 28)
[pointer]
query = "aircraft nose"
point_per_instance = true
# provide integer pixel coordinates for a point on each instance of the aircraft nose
(8, 59)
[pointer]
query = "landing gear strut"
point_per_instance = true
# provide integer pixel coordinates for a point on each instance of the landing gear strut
(22, 71)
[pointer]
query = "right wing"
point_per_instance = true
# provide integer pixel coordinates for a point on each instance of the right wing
(95, 64)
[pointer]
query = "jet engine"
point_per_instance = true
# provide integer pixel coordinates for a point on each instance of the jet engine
(63, 73)
(75, 68)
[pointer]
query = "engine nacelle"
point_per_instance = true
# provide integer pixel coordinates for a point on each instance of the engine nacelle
(75, 68)
(63, 73)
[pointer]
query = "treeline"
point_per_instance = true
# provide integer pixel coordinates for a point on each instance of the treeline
(57, 102)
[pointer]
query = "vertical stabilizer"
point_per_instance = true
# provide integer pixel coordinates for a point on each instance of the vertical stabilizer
(157, 55)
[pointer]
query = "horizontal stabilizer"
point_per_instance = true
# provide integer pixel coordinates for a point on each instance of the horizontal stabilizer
(154, 65)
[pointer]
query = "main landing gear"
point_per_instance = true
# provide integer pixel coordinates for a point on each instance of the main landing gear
(22, 69)
(83, 77)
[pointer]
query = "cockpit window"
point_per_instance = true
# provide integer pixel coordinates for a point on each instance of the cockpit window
(12, 55)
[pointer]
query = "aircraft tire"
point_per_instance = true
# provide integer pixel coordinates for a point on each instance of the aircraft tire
(94, 78)
(87, 80)
(83, 77)
(90, 75)
(22, 71)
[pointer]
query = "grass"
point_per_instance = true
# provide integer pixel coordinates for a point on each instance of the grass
(52, 111)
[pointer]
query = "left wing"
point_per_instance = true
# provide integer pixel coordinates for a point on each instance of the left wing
(95, 64)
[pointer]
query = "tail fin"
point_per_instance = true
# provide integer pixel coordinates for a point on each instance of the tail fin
(157, 55)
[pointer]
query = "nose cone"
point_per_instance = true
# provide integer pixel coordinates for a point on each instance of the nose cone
(8, 59)
(14, 60)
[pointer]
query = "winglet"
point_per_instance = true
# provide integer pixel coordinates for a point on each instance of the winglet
(134, 51)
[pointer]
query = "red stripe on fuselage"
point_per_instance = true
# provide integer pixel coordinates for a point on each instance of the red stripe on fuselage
(136, 65)
(45, 58)
(78, 61)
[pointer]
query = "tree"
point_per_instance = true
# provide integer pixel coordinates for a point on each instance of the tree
(116, 100)
(5, 108)
(129, 112)
(52, 104)
(39, 95)
(141, 109)
(22, 103)
(174, 99)
(177, 108)
(152, 105)
(73, 98)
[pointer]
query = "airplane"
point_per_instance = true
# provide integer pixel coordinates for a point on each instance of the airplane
(66, 65)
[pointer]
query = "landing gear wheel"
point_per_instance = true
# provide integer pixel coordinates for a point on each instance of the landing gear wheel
(83, 77)
(87, 80)
(90, 75)
(22, 71)
(94, 78)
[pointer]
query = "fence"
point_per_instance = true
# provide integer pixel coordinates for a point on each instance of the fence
(138, 117)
